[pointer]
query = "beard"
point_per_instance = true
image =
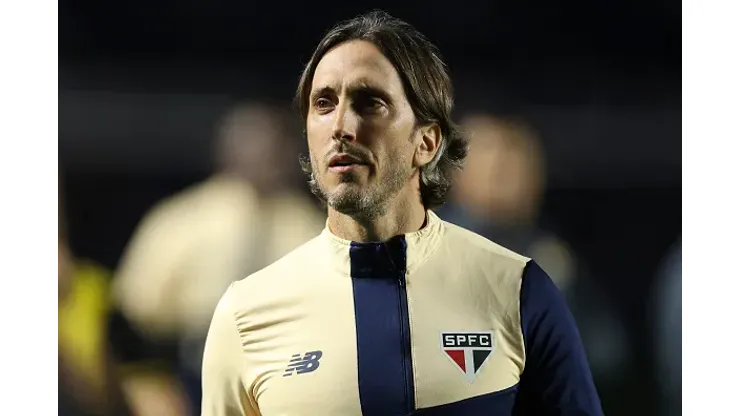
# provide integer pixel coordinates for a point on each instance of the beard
(366, 202)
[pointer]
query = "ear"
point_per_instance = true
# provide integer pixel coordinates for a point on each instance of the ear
(428, 146)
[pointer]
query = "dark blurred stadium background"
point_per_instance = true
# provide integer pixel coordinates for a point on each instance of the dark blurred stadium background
(142, 85)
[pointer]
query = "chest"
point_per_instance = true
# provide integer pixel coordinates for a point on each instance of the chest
(384, 347)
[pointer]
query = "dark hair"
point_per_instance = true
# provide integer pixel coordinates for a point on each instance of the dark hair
(426, 83)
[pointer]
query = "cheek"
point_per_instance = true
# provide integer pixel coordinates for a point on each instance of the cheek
(315, 134)
(399, 152)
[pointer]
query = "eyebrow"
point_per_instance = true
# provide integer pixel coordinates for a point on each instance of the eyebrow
(372, 91)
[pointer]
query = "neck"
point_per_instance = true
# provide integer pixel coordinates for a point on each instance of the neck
(400, 218)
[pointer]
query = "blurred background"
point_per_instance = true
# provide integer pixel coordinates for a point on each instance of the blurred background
(179, 174)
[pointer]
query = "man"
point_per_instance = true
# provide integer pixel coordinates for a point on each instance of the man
(390, 310)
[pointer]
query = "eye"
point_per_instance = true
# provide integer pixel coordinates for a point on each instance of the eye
(376, 103)
(369, 104)
(323, 104)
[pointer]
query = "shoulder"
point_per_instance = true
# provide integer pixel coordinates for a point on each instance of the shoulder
(532, 289)
(461, 235)
(477, 250)
(208, 195)
(171, 211)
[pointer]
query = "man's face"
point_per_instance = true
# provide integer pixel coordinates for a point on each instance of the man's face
(361, 130)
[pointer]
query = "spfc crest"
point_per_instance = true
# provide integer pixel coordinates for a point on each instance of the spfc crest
(469, 351)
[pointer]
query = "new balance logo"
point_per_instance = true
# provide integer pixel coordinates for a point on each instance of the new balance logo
(306, 364)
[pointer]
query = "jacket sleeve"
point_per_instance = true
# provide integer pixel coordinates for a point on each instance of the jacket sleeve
(556, 379)
(224, 393)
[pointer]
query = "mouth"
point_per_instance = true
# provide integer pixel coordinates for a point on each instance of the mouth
(343, 163)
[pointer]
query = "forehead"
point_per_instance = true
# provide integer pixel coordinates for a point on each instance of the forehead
(356, 63)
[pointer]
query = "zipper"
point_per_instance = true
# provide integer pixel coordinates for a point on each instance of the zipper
(406, 343)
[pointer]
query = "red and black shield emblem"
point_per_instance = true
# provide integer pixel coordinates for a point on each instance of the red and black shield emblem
(469, 351)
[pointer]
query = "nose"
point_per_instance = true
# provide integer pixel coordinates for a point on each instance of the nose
(346, 122)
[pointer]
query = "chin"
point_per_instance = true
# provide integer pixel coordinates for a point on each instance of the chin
(344, 192)
(356, 202)
(345, 198)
